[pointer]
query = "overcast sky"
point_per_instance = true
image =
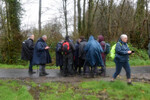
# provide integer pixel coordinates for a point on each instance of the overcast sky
(50, 9)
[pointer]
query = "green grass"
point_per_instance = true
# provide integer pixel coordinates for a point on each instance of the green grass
(95, 90)
(6, 66)
(91, 90)
(109, 63)
(133, 63)
(12, 90)
(119, 90)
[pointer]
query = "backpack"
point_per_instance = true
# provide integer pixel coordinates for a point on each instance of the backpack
(113, 51)
(107, 48)
(25, 51)
(66, 47)
(59, 47)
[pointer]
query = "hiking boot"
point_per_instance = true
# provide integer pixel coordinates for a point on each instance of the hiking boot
(95, 75)
(103, 74)
(130, 83)
(31, 72)
(65, 75)
(42, 74)
(87, 76)
(45, 73)
(112, 80)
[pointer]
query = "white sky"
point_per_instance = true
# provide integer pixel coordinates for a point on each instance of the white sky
(50, 8)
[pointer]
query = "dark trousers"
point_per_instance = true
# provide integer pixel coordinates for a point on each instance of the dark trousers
(42, 69)
(119, 66)
(30, 66)
(61, 68)
(68, 64)
(81, 64)
(87, 68)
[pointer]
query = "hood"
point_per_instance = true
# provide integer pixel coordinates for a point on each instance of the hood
(91, 38)
(121, 41)
(100, 38)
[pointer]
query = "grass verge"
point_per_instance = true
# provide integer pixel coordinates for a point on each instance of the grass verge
(133, 63)
(92, 90)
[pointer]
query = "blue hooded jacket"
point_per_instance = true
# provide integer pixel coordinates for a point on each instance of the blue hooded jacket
(40, 55)
(93, 52)
(122, 52)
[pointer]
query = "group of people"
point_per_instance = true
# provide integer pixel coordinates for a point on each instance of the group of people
(86, 55)
(83, 57)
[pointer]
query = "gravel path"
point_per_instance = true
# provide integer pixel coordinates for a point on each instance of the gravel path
(140, 73)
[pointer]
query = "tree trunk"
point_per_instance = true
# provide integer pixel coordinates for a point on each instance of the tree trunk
(40, 6)
(93, 28)
(147, 26)
(13, 36)
(120, 18)
(75, 31)
(79, 17)
(110, 19)
(65, 14)
(84, 23)
(90, 8)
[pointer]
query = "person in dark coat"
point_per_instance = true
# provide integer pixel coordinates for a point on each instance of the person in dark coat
(122, 58)
(27, 52)
(82, 53)
(93, 55)
(59, 55)
(103, 45)
(76, 55)
(41, 55)
(68, 57)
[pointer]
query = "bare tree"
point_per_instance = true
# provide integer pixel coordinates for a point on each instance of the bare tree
(147, 18)
(40, 6)
(79, 17)
(65, 14)
(90, 8)
(84, 23)
(110, 17)
(75, 17)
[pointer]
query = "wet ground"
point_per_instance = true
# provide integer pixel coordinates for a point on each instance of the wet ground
(138, 74)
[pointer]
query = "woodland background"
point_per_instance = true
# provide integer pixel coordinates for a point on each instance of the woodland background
(93, 18)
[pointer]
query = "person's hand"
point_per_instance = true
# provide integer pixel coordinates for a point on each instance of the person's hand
(47, 47)
(129, 52)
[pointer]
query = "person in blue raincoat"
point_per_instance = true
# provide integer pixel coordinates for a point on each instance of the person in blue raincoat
(93, 56)
(41, 55)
